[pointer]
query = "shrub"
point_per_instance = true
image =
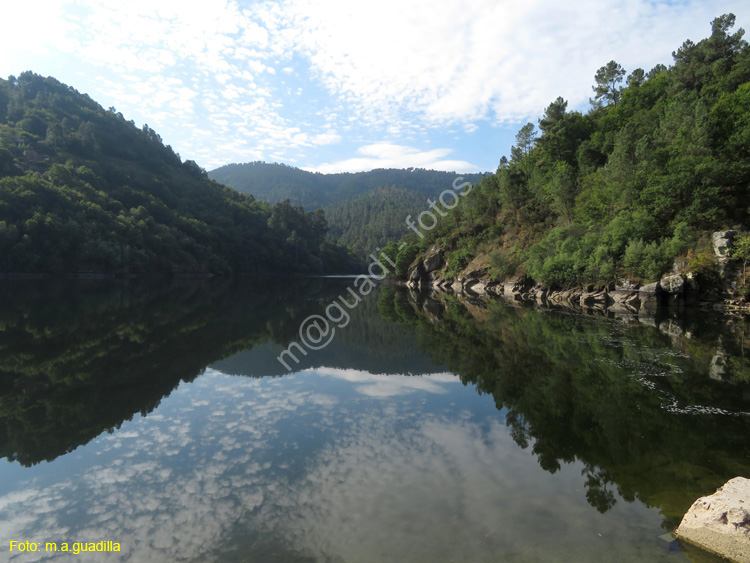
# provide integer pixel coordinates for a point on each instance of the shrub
(706, 270)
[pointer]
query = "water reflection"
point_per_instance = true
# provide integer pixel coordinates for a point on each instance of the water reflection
(290, 469)
(641, 407)
(80, 358)
(586, 439)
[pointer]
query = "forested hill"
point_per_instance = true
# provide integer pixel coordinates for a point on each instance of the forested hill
(364, 209)
(83, 189)
(630, 189)
(276, 182)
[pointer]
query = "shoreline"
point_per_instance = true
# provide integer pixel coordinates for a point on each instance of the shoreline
(623, 300)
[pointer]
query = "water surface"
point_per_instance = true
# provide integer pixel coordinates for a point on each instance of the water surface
(157, 416)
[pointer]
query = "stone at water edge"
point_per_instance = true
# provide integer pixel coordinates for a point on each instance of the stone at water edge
(720, 523)
(674, 284)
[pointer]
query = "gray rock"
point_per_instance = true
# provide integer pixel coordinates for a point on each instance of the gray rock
(670, 328)
(674, 284)
(495, 288)
(472, 271)
(651, 288)
(594, 298)
(718, 368)
(541, 294)
(624, 297)
(508, 288)
(723, 241)
(476, 287)
(720, 523)
(416, 271)
(627, 285)
(457, 286)
(433, 260)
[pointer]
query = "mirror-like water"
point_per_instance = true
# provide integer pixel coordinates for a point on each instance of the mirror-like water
(157, 416)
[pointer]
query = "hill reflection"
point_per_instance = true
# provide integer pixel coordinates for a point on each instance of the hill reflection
(78, 359)
(645, 410)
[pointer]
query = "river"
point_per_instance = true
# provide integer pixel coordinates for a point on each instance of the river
(156, 416)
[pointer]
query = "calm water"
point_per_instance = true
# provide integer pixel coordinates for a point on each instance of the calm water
(157, 416)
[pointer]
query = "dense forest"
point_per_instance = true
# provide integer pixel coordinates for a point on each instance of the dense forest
(83, 189)
(630, 189)
(364, 210)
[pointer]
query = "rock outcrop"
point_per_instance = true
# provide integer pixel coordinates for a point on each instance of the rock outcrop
(720, 523)
(674, 284)
(723, 241)
(433, 259)
(430, 272)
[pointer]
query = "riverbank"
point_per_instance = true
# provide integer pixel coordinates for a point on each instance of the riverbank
(713, 287)
(624, 299)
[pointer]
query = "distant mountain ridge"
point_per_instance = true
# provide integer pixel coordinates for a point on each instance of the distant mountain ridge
(274, 182)
(364, 210)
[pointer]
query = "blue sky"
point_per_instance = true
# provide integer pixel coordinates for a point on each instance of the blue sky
(344, 85)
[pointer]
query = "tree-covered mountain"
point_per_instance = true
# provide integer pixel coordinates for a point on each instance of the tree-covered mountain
(83, 189)
(624, 190)
(274, 182)
(371, 220)
(364, 209)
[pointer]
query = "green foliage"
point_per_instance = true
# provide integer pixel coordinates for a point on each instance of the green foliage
(460, 257)
(741, 252)
(364, 210)
(405, 257)
(503, 266)
(627, 188)
(646, 260)
(81, 189)
(607, 79)
(706, 270)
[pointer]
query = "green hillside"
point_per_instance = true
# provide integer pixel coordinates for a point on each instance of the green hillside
(364, 210)
(274, 182)
(83, 189)
(625, 190)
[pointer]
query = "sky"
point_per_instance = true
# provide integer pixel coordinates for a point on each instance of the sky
(344, 86)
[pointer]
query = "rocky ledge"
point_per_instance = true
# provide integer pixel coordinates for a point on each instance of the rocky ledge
(427, 273)
(720, 523)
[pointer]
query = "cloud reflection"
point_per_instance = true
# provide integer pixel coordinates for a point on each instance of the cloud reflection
(219, 471)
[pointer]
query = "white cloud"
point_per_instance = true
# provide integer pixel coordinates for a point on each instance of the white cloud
(391, 385)
(386, 155)
(456, 61)
(270, 78)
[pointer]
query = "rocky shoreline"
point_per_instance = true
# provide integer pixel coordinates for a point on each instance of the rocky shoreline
(678, 289)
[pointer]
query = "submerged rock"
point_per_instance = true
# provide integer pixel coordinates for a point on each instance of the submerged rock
(720, 523)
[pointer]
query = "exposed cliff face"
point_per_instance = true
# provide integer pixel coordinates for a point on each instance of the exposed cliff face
(428, 273)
